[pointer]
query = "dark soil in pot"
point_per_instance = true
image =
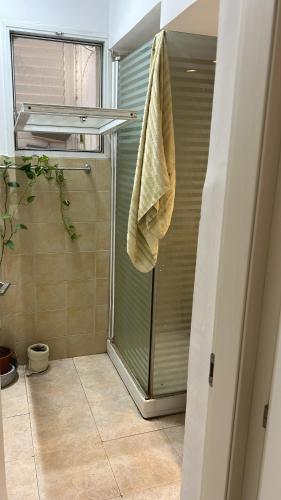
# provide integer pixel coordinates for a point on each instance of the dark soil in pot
(5, 359)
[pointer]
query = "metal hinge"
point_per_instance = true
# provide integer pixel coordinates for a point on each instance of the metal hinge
(211, 370)
(265, 415)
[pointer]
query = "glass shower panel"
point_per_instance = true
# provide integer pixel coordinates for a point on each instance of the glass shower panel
(192, 66)
(133, 290)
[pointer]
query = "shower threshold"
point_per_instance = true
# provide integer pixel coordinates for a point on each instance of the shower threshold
(149, 408)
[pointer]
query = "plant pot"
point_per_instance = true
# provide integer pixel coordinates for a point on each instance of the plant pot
(9, 377)
(5, 359)
(38, 357)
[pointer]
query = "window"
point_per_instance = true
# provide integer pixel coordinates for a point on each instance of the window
(64, 72)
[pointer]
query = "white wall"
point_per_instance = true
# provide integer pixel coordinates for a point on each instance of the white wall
(86, 18)
(133, 22)
(170, 9)
(85, 15)
(124, 15)
(200, 16)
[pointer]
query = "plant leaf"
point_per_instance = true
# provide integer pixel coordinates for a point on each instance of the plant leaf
(5, 216)
(29, 174)
(21, 226)
(13, 184)
(30, 199)
(10, 244)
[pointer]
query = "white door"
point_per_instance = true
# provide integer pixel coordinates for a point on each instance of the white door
(225, 247)
(265, 359)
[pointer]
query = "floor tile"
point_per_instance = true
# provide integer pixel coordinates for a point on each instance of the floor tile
(82, 473)
(169, 492)
(21, 480)
(176, 437)
(143, 461)
(171, 421)
(119, 417)
(57, 388)
(17, 438)
(14, 398)
(61, 428)
(99, 378)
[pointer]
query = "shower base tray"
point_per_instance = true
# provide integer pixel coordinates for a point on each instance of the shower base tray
(149, 408)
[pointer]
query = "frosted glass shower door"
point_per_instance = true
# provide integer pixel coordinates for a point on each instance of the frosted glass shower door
(192, 68)
(133, 290)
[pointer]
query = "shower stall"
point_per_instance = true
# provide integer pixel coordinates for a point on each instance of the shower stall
(151, 313)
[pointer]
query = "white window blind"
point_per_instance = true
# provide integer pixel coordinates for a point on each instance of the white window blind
(56, 72)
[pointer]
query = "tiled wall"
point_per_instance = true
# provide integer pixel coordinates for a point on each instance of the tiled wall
(60, 289)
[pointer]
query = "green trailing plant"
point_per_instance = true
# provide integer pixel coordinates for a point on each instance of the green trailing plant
(23, 194)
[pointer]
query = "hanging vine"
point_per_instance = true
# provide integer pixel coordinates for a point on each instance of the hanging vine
(32, 168)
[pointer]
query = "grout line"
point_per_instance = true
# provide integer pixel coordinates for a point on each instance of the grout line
(136, 434)
(120, 494)
(32, 439)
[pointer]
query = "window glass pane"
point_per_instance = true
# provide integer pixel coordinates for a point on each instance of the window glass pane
(56, 72)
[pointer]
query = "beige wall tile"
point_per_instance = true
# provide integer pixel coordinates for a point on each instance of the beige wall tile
(80, 293)
(16, 327)
(23, 240)
(101, 318)
(80, 345)
(48, 237)
(19, 298)
(100, 341)
(102, 291)
(80, 266)
(83, 206)
(102, 175)
(80, 321)
(102, 264)
(50, 268)
(58, 348)
(102, 205)
(79, 181)
(18, 268)
(46, 207)
(86, 241)
(43, 185)
(59, 275)
(50, 296)
(102, 235)
(21, 349)
(50, 324)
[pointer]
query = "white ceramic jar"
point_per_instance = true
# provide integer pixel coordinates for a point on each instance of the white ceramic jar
(38, 357)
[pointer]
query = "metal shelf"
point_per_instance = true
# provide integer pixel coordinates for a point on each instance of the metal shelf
(71, 119)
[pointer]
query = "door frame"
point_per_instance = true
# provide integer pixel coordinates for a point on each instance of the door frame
(262, 300)
(270, 479)
(228, 223)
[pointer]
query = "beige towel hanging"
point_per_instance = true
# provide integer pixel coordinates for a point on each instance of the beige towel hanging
(153, 194)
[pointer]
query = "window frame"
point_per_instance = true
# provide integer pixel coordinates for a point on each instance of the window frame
(13, 35)
(7, 136)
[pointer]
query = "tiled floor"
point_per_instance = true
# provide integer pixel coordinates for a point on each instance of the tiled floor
(74, 433)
